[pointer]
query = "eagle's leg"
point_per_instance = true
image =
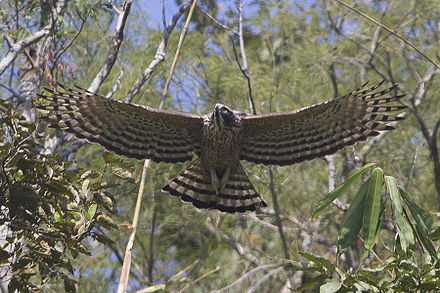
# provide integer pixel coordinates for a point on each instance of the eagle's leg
(214, 180)
(225, 179)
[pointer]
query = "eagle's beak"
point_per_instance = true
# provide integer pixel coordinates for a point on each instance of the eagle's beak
(217, 109)
(217, 113)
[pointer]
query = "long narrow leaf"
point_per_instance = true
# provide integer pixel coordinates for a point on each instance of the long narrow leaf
(319, 260)
(424, 223)
(372, 208)
(352, 221)
(404, 230)
(335, 193)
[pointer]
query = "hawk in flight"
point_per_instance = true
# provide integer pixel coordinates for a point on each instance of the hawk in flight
(221, 139)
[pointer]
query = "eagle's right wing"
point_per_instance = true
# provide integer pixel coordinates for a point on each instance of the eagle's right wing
(134, 131)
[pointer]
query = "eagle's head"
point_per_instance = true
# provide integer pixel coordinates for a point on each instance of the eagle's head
(224, 117)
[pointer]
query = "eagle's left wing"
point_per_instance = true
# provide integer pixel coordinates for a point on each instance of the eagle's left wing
(322, 129)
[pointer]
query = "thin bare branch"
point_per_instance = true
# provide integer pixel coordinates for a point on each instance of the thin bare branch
(84, 19)
(234, 244)
(266, 277)
(16, 48)
(247, 275)
(160, 53)
(116, 84)
(218, 23)
(176, 56)
(391, 31)
(123, 281)
(114, 48)
(244, 66)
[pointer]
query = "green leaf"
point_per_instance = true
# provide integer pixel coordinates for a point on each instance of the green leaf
(69, 285)
(91, 211)
(372, 208)
(109, 157)
(57, 217)
(408, 266)
(331, 286)
(335, 193)
(319, 260)
(435, 235)
(365, 287)
(106, 222)
(303, 266)
(121, 173)
(404, 230)
(390, 264)
(424, 222)
(311, 283)
(352, 221)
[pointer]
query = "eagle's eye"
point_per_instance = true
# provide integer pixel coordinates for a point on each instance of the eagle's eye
(225, 110)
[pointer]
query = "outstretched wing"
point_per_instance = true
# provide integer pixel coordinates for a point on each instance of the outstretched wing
(322, 129)
(134, 131)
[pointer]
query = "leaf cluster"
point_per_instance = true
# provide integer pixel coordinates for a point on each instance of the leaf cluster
(366, 214)
(49, 207)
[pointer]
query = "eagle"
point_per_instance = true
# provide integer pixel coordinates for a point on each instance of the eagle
(223, 138)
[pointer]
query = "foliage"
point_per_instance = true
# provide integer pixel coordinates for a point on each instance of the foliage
(298, 53)
(366, 214)
(51, 207)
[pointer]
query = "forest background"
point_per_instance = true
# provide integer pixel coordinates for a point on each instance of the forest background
(68, 206)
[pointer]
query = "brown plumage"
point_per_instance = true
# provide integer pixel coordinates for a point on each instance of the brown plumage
(221, 139)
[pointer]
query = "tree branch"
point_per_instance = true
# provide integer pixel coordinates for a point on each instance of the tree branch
(234, 244)
(16, 48)
(244, 67)
(160, 53)
(114, 48)
(247, 275)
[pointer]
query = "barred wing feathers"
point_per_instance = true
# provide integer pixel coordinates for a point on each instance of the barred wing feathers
(291, 137)
(134, 131)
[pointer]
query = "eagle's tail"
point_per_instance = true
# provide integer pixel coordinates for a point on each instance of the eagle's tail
(194, 185)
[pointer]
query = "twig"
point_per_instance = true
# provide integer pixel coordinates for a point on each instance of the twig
(207, 274)
(330, 159)
(71, 41)
(247, 275)
(151, 244)
(278, 219)
(279, 222)
(243, 67)
(286, 180)
(264, 279)
(123, 281)
(160, 53)
(218, 23)
(256, 177)
(14, 93)
(234, 244)
(164, 19)
(390, 31)
(266, 224)
(16, 48)
(114, 48)
(176, 56)
(116, 84)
